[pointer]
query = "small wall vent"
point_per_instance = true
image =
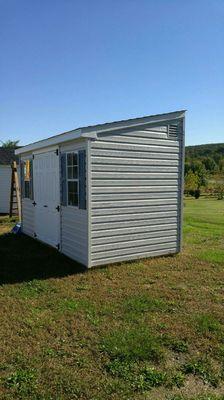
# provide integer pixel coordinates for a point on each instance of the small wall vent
(173, 131)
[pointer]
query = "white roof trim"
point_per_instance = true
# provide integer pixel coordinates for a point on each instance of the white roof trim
(90, 132)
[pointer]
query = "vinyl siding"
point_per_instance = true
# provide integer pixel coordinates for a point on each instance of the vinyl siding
(5, 185)
(135, 194)
(74, 221)
(74, 234)
(28, 217)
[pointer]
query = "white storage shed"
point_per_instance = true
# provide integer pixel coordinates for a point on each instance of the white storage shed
(7, 156)
(107, 193)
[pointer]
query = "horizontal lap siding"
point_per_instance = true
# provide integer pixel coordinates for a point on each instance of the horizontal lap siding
(5, 186)
(74, 234)
(135, 195)
(74, 221)
(28, 217)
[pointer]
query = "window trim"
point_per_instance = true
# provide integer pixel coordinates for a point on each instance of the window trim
(23, 163)
(73, 179)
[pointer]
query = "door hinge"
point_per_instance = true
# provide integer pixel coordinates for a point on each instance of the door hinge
(56, 152)
(57, 208)
(58, 246)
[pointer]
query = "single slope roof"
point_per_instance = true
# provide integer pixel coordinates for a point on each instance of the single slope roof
(91, 130)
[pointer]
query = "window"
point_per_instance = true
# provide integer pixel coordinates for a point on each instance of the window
(27, 178)
(72, 179)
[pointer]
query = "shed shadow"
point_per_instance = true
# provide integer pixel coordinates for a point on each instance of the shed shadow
(23, 259)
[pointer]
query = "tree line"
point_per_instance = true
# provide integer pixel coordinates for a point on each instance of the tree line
(204, 170)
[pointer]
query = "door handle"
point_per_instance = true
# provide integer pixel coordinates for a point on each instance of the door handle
(45, 205)
(34, 203)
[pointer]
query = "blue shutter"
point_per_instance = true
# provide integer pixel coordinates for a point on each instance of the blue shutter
(22, 183)
(63, 180)
(31, 179)
(82, 179)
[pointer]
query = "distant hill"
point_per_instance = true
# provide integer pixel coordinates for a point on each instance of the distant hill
(213, 150)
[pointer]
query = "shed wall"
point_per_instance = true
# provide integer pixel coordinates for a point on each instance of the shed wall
(5, 185)
(136, 193)
(74, 221)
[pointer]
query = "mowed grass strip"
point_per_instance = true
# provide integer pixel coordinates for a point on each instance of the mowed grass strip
(150, 329)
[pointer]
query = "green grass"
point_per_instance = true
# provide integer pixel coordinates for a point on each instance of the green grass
(133, 344)
(202, 368)
(150, 329)
(208, 324)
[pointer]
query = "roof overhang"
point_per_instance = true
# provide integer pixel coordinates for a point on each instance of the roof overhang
(90, 132)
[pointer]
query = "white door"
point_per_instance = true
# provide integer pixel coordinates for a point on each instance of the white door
(47, 197)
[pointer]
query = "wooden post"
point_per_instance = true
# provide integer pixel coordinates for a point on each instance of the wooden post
(15, 187)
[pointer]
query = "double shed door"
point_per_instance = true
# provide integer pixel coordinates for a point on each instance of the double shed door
(47, 197)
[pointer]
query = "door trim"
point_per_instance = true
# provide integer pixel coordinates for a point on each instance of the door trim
(59, 236)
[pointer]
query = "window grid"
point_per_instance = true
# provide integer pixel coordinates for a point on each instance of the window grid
(72, 167)
(26, 177)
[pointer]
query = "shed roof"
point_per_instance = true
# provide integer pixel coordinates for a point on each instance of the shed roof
(7, 156)
(91, 130)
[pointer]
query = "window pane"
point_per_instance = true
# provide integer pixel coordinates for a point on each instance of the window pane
(69, 159)
(75, 172)
(75, 159)
(73, 187)
(27, 189)
(70, 173)
(73, 193)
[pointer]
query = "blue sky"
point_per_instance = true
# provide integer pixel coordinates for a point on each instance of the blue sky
(71, 63)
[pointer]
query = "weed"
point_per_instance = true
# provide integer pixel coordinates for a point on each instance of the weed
(68, 305)
(177, 379)
(133, 344)
(177, 345)
(203, 369)
(197, 397)
(22, 381)
(35, 288)
(207, 323)
(120, 368)
(149, 378)
(143, 303)
(82, 287)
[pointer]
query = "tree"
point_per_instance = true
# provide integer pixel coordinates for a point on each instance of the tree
(187, 167)
(198, 169)
(220, 191)
(221, 165)
(10, 144)
(191, 181)
(209, 164)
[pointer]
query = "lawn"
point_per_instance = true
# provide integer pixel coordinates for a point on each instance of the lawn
(146, 330)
